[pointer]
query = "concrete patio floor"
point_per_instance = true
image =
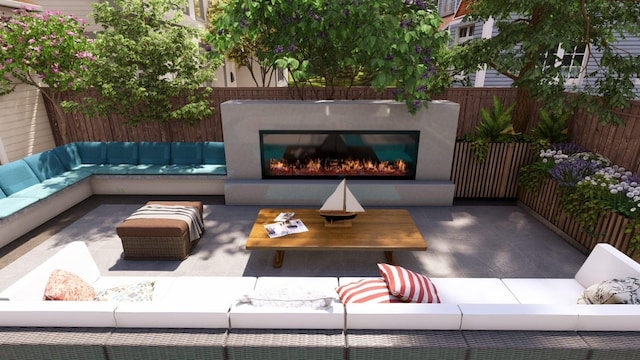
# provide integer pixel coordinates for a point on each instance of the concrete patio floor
(469, 239)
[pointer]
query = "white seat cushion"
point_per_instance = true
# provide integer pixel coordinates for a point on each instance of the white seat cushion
(545, 291)
(473, 291)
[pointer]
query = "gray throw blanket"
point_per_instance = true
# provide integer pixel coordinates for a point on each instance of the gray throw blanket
(188, 214)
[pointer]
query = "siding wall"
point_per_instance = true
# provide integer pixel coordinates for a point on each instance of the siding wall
(24, 124)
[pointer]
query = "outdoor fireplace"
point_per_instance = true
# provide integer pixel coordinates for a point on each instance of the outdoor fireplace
(312, 144)
(327, 154)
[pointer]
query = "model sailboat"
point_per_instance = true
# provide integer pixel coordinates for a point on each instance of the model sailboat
(341, 206)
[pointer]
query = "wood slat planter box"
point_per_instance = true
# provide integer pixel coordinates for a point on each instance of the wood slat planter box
(495, 177)
(546, 203)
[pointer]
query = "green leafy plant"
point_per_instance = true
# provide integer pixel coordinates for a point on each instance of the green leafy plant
(46, 50)
(495, 127)
(590, 188)
(146, 59)
(552, 128)
(324, 44)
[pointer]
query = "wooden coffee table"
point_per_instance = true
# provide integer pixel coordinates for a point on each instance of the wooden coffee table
(376, 229)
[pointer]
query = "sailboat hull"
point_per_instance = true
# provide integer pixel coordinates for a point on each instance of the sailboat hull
(337, 215)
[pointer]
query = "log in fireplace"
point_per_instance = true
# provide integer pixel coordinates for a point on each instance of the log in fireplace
(339, 154)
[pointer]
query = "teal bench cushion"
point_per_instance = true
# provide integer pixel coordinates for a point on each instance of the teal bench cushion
(122, 152)
(2, 194)
(154, 153)
(92, 152)
(186, 153)
(11, 205)
(16, 176)
(45, 165)
(213, 153)
(68, 155)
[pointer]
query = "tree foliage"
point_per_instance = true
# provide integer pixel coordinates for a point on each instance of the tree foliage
(44, 50)
(529, 30)
(325, 43)
(145, 60)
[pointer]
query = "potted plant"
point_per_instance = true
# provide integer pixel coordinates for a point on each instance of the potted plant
(486, 161)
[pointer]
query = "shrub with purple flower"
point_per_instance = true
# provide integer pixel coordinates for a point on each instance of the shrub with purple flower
(591, 186)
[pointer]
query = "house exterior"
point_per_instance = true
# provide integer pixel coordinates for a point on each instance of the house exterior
(24, 124)
(576, 62)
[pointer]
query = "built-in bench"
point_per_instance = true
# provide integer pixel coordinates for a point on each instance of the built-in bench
(202, 317)
(41, 186)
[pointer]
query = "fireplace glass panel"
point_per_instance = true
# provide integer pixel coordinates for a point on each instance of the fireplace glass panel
(339, 154)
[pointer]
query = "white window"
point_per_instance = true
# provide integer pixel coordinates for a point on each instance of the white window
(465, 33)
(572, 62)
(447, 7)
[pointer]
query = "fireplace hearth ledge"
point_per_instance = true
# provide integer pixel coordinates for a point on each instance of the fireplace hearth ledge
(242, 121)
(311, 192)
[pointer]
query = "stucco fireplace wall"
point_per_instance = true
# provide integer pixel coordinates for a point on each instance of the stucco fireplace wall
(242, 121)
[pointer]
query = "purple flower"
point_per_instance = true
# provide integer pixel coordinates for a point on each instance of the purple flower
(292, 48)
(569, 173)
(278, 49)
(418, 49)
(567, 148)
(388, 57)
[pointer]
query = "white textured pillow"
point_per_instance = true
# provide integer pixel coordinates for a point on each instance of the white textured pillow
(142, 291)
(614, 291)
(289, 298)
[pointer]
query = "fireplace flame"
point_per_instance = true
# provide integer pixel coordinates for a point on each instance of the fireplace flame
(338, 167)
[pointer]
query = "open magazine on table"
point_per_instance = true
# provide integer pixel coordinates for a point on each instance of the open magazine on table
(283, 228)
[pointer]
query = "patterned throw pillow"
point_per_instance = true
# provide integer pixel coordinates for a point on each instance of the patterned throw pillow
(142, 291)
(408, 285)
(64, 285)
(614, 291)
(366, 290)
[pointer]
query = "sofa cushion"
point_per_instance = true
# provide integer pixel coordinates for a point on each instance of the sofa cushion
(65, 285)
(154, 153)
(409, 286)
(213, 153)
(122, 152)
(615, 291)
(68, 155)
(141, 291)
(372, 290)
(289, 298)
(473, 291)
(11, 205)
(73, 257)
(92, 152)
(606, 262)
(544, 290)
(186, 153)
(45, 165)
(16, 176)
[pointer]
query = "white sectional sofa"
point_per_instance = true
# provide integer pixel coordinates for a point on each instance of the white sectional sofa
(213, 302)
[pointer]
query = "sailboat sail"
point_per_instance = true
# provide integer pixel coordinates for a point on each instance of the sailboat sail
(342, 199)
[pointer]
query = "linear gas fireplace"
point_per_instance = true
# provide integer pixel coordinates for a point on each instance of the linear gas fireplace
(287, 154)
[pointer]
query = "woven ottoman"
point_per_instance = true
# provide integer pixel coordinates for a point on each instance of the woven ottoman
(158, 238)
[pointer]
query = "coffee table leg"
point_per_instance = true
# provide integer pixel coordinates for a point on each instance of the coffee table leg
(277, 260)
(388, 255)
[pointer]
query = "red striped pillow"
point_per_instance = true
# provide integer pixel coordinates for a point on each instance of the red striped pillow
(408, 285)
(366, 290)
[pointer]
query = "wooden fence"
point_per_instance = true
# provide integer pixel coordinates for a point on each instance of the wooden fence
(620, 143)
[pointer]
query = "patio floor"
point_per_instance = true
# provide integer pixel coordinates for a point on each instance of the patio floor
(469, 239)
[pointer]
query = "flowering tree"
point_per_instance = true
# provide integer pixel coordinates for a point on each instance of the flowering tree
(145, 60)
(324, 44)
(45, 50)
